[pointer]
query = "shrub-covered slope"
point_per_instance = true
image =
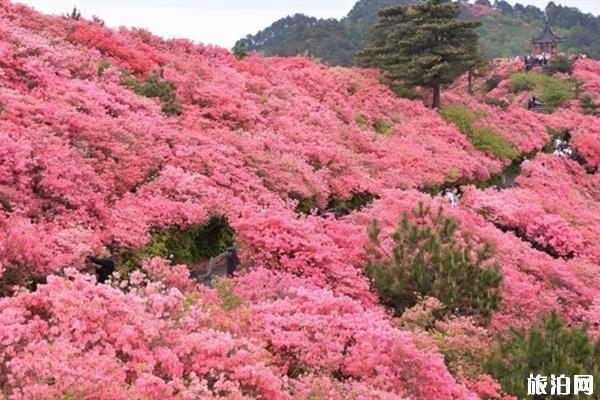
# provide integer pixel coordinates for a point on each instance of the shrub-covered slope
(117, 136)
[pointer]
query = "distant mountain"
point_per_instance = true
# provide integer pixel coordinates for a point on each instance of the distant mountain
(506, 30)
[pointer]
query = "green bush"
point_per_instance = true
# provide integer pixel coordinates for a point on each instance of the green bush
(588, 106)
(482, 138)
(306, 205)
(379, 125)
(560, 63)
(492, 82)
(357, 201)
(240, 52)
(553, 92)
(361, 120)
(183, 245)
(155, 87)
(382, 126)
(428, 261)
(171, 107)
(556, 92)
(524, 81)
(492, 101)
(550, 348)
(102, 66)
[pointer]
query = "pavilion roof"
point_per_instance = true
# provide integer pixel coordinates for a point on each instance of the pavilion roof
(546, 36)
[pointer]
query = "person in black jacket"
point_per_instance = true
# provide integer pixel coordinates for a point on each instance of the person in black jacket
(232, 260)
(105, 265)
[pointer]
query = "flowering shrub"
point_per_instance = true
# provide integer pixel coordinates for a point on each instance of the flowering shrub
(85, 161)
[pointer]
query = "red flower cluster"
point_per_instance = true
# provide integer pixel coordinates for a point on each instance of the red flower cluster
(84, 161)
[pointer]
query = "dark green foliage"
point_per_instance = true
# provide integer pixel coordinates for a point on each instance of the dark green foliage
(185, 245)
(550, 348)
(492, 82)
(155, 87)
(382, 126)
(379, 125)
(432, 189)
(75, 14)
(102, 66)
(504, 179)
(482, 138)
(428, 261)
(588, 106)
(506, 36)
(356, 202)
(405, 91)
(361, 120)
(423, 45)
(240, 52)
(327, 39)
(492, 101)
(560, 63)
(306, 205)
(171, 107)
(503, 34)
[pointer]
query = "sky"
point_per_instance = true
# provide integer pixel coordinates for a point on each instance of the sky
(220, 22)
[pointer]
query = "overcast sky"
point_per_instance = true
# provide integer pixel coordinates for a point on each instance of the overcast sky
(219, 22)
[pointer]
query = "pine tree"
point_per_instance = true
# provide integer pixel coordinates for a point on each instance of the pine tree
(423, 45)
(428, 260)
(75, 14)
(548, 348)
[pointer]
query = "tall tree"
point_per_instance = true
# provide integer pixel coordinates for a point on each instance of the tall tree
(423, 45)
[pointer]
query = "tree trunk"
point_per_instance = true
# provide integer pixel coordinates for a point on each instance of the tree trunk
(436, 97)
(470, 81)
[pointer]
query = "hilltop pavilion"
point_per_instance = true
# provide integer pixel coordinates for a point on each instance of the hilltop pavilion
(546, 42)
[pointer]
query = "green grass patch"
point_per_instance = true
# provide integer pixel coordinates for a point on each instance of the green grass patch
(552, 91)
(382, 126)
(482, 138)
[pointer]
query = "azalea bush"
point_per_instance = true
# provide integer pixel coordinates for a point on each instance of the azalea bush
(295, 159)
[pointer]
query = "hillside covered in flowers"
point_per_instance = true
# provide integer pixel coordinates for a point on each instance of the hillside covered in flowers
(171, 151)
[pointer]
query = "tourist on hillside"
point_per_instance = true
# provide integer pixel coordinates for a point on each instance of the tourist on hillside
(534, 102)
(452, 196)
(106, 264)
(232, 260)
